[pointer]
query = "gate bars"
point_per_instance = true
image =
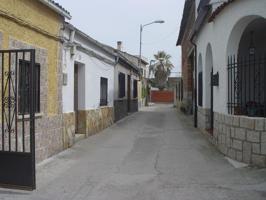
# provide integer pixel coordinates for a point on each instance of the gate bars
(17, 141)
(247, 85)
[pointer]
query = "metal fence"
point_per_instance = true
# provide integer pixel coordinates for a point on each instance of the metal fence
(247, 85)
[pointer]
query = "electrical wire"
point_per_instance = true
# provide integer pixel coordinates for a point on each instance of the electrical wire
(168, 36)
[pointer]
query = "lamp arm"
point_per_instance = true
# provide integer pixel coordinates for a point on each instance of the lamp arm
(148, 24)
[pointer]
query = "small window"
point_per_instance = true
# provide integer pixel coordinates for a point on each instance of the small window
(121, 85)
(24, 88)
(104, 92)
(135, 89)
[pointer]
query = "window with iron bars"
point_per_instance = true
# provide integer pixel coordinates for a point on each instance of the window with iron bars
(135, 89)
(247, 85)
(122, 85)
(104, 92)
(24, 87)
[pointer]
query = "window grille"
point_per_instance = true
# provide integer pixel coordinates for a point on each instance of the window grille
(104, 92)
(24, 87)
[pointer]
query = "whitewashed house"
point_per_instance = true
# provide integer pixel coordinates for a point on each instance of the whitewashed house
(88, 85)
(230, 45)
(144, 73)
(126, 79)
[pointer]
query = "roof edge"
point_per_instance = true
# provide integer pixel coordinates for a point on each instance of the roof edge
(55, 7)
(87, 37)
(183, 25)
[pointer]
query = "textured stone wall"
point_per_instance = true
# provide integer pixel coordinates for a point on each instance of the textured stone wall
(68, 129)
(204, 118)
(82, 121)
(241, 138)
(1, 40)
(99, 119)
(93, 121)
(48, 136)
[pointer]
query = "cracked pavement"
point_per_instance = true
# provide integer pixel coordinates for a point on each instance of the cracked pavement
(155, 154)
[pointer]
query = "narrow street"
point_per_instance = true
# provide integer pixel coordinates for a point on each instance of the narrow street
(154, 154)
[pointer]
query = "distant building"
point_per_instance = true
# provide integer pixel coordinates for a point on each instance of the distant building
(144, 73)
(126, 80)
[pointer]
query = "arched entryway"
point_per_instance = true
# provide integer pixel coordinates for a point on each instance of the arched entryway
(208, 97)
(247, 68)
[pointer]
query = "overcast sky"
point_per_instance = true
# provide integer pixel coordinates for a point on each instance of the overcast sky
(109, 21)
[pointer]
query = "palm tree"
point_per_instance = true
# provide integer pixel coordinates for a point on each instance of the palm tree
(161, 69)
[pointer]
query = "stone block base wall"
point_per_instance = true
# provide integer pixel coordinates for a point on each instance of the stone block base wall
(94, 121)
(68, 129)
(204, 116)
(241, 138)
(82, 121)
(48, 136)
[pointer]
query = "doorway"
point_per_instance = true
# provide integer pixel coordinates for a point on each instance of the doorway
(128, 93)
(208, 97)
(79, 100)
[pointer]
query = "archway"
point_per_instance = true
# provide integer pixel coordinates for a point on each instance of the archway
(207, 78)
(247, 68)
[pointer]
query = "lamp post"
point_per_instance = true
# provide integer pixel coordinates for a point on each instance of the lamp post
(140, 40)
(140, 48)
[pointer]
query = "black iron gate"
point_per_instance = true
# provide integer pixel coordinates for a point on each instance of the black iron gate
(17, 139)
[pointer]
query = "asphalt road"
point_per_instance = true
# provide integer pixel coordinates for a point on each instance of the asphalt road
(151, 155)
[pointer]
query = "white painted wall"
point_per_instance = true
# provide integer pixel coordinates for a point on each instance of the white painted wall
(94, 69)
(224, 35)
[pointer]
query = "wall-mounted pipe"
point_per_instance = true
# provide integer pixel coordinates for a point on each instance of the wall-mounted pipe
(195, 85)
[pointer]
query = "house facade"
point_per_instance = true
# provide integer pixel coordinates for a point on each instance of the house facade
(230, 43)
(188, 57)
(32, 25)
(126, 78)
(88, 85)
(144, 74)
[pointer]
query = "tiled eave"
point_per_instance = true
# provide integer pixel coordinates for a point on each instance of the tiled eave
(57, 8)
(219, 9)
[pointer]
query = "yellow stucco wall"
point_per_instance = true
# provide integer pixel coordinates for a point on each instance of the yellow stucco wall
(33, 23)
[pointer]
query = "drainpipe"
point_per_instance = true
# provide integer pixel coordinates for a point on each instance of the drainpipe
(195, 86)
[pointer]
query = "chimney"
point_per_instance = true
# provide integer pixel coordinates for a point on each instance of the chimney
(119, 45)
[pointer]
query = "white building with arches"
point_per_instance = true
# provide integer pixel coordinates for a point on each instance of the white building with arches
(229, 40)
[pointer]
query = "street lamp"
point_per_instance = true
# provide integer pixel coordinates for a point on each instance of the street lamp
(141, 30)
(140, 50)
